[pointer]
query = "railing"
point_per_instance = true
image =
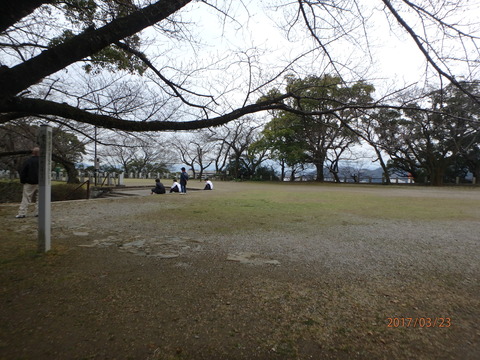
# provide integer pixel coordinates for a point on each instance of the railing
(398, 180)
(117, 179)
(87, 182)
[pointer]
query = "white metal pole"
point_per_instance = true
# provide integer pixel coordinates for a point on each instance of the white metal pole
(44, 188)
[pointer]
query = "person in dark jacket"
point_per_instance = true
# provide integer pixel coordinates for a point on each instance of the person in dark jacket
(159, 188)
(183, 181)
(29, 179)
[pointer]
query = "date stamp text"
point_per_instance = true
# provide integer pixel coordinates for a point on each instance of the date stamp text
(419, 322)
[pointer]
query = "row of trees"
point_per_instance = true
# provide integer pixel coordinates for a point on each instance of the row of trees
(143, 66)
(434, 138)
(435, 145)
(439, 144)
(226, 149)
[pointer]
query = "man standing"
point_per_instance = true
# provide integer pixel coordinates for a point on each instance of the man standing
(183, 181)
(29, 179)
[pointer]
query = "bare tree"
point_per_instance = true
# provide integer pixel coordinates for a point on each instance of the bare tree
(336, 155)
(195, 151)
(121, 153)
(137, 153)
(369, 126)
(221, 149)
(238, 139)
(204, 150)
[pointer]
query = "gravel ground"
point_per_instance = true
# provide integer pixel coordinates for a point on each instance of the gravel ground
(118, 287)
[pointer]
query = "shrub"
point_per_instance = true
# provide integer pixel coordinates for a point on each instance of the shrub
(11, 192)
(62, 192)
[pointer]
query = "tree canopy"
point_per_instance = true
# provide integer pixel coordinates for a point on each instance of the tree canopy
(20, 135)
(437, 144)
(54, 53)
(300, 138)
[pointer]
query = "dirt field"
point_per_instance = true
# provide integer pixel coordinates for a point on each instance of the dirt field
(130, 279)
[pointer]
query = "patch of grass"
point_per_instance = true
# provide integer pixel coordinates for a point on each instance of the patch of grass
(286, 208)
(16, 247)
(408, 208)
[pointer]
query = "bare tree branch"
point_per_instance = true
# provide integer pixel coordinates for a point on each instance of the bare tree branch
(420, 45)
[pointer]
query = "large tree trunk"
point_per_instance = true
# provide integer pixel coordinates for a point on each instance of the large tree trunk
(320, 176)
(333, 168)
(292, 175)
(476, 174)
(384, 167)
(335, 176)
(72, 173)
(437, 175)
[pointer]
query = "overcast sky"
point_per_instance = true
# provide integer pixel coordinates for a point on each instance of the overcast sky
(392, 56)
